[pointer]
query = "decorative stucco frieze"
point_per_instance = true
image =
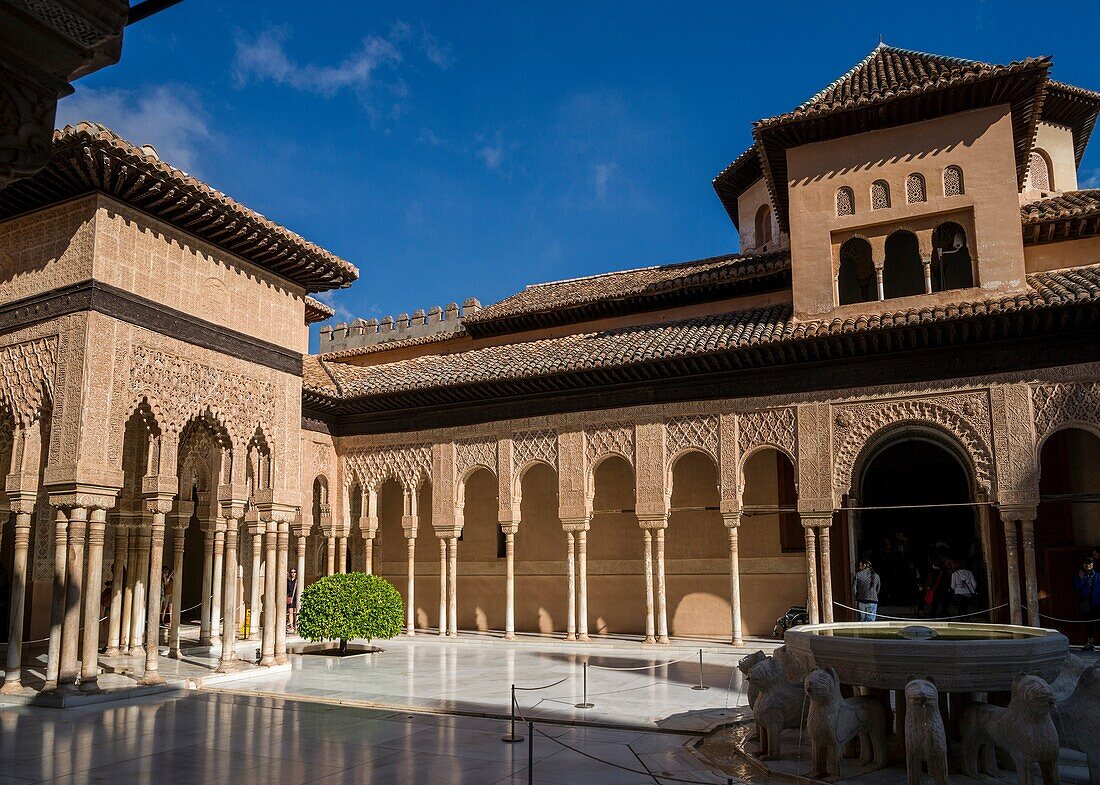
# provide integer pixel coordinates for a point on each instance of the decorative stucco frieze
(692, 433)
(616, 438)
(408, 464)
(477, 452)
(534, 446)
(27, 376)
(1060, 404)
(771, 428)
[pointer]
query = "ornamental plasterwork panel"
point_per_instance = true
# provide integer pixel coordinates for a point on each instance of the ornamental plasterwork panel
(609, 438)
(692, 433)
(320, 460)
(1060, 404)
(178, 387)
(409, 464)
(772, 427)
(530, 446)
(475, 452)
(965, 416)
(26, 377)
(43, 543)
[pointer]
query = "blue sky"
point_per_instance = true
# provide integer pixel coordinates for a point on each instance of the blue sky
(467, 149)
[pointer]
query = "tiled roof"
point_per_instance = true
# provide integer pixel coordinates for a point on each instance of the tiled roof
(1074, 107)
(732, 181)
(88, 157)
(315, 377)
(644, 288)
(389, 346)
(317, 311)
(690, 340)
(1072, 204)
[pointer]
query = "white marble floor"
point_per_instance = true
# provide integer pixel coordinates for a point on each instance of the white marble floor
(200, 737)
(630, 685)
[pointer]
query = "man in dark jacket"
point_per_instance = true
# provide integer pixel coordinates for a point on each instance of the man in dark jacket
(1087, 586)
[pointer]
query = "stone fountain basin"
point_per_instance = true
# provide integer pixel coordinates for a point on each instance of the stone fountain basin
(964, 657)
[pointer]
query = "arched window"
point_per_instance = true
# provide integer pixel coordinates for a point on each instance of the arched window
(952, 267)
(952, 181)
(1038, 172)
(763, 226)
(880, 195)
(845, 201)
(902, 272)
(856, 277)
(914, 189)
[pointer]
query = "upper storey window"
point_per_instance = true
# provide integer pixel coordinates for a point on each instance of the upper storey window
(845, 201)
(880, 195)
(763, 226)
(1038, 172)
(914, 189)
(953, 181)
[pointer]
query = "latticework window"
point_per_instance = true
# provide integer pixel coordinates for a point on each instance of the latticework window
(845, 201)
(880, 195)
(952, 181)
(1038, 172)
(914, 189)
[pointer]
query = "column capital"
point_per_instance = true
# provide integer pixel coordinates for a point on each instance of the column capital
(1017, 512)
(509, 527)
(160, 485)
(816, 519)
(368, 525)
(651, 521)
(447, 532)
(22, 502)
(84, 496)
(575, 524)
(731, 520)
(301, 529)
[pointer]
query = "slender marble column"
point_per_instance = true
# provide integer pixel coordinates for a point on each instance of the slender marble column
(230, 596)
(927, 265)
(811, 574)
(74, 579)
(13, 665)
(1012, 557)
(126, 626)
(270, 547)
(582, 583)
(1031, 581)
(410, 605)
(118, 576)
(647, 536)
(368, 561)
(300, 552)
(452, 587)
(141, 593)
(442, 586)
(281, 563)
(826, 575)
(216, 583)
(152, 620)
(509, 530)
(662, 614)
(89, 652)
(342, 554)
(733, 522)
(878, 283)
(571, 568)
(179, 536)
(57, 599)
(207, 584)
(255, 535)
(330, 564)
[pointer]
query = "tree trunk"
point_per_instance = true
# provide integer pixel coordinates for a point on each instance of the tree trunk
(343, 647)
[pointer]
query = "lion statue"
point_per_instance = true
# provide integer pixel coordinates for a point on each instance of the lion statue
(833, 721)
(925, 738)
(778, 705)
(1025, 731)
(791, 666)
(745, 664)
(1079, 720)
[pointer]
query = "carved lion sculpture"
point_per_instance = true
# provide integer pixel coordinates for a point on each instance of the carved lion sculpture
(745, 664)
(1025, 730)
(791, 666)
(778, 705)
(1079, 720)
(833, 721)
(925, 739)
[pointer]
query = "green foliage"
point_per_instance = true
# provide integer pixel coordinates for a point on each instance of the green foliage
(350, 605)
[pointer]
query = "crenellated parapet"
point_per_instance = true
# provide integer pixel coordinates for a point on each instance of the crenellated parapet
(369, 332)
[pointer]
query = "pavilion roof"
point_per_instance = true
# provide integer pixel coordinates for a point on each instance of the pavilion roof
(1067, 216)
(89, 158)
(317, 311)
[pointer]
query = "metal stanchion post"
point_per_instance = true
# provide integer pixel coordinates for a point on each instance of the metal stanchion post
(700, 685)
(512, 738)
(531, 753)
(584, 704)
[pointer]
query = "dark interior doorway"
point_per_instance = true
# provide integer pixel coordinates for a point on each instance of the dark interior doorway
(904, 544)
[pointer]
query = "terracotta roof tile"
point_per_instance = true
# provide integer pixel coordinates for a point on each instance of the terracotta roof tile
(315, 378)
(1071, 204)
(686, 338)
(317, 311)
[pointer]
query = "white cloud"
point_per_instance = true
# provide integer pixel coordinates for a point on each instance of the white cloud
(436, 51)
(602, 174)
(430, 137)
(329, 299)
(1089, 179)
(493, 151)
(169, 117)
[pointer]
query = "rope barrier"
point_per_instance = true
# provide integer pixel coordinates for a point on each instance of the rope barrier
(1069, 621)
(642, 667)
(545, 686)
(930, 618)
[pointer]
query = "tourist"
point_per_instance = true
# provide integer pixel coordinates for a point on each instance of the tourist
(937, 589)
(291, 599)
(865, 589)
(964, 587)
(1087, 586)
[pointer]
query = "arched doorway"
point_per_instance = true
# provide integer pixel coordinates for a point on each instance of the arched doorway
(616, 593)
(902, 272)
(1068, 522)
(916, 520)
(856, 275)
(541, 605)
